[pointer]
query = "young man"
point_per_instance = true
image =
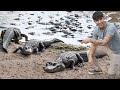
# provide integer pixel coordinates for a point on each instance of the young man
(105, 41)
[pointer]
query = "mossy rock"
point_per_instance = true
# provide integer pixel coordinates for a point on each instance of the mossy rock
(114, 16)
(67, 47)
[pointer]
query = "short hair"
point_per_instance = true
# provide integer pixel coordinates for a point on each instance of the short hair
(97, 15)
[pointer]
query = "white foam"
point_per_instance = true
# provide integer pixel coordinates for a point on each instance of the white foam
(46, 16)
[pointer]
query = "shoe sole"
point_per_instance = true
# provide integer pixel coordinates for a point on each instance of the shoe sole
(94, 73)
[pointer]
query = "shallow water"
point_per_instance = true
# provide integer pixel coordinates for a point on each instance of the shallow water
(30, 22)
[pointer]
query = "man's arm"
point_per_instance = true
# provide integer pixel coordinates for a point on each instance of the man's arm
(103, 42)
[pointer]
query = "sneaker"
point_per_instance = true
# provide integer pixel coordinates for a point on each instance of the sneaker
(94, 71)
(113, 76)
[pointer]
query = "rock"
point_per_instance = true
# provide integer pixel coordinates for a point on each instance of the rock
(30, 23)
(76, 15)
(31, 14)
(12, 23)
(52, 29)
(31, 33)
(89, 26)
(17, 19)
(47, 33)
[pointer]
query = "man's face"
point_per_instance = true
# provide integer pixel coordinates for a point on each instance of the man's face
(100, 22)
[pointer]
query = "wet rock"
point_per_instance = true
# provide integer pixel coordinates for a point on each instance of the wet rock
(86, 32)
(92, 33)
(89, 26)
(80, 27)
(68, 17)
(2, 27)
(72, 36)
(88, 21)
(66, 32)
(39, 16)
(68, 36)
(17, 19)
(43, 12)
(31, 14)
(87, 16)
(73, 29)
(64, 27)
(75, 24)
(57, 26)
(29, 27)
(56, 21)
(76, 15)
(89, 36)
(67, 22)
(64, 36)
(54, 32)
(51, 22)
(31, 33)
(38, 22)
(42, 23)
(30, 23)
(80, 31)
(3, 23)
(51, 17)
(29, 18)
(52, 29)
(20, 15)
(62, 19)
(48, 33)
(13, 24)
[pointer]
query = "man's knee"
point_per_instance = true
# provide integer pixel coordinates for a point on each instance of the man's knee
(97, 54)
(113, 69)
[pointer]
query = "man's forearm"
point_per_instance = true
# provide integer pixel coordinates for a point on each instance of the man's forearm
(106, 39)
(95, 42)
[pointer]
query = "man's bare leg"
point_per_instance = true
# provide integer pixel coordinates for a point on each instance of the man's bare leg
(92, 53)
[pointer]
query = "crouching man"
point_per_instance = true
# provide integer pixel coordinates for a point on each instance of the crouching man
(105, 41)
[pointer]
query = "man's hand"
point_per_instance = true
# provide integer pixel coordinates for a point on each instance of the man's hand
(87, 40)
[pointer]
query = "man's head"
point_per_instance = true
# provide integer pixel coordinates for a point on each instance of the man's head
(98, 17)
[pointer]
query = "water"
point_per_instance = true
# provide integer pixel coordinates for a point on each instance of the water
(28, 22)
